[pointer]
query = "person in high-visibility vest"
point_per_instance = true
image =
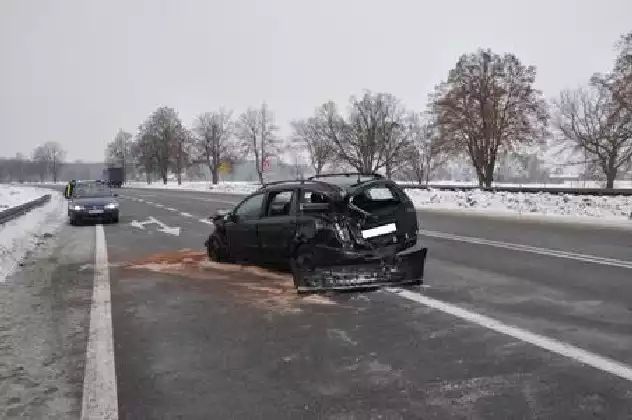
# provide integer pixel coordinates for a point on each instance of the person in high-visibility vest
(69, 188)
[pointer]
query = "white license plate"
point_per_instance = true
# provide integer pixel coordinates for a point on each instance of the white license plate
(95, 211)
(380, 230)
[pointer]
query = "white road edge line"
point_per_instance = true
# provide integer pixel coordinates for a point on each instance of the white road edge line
(99, 383)
(527, 248)
(555, 346)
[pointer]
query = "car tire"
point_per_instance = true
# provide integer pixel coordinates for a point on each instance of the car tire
(215, 250)
(115, 219)
(302, 260)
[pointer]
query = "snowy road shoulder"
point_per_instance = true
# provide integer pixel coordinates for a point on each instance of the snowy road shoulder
(13, 196)
(20, 236)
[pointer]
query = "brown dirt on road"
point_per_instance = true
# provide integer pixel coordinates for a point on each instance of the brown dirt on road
(265, 289)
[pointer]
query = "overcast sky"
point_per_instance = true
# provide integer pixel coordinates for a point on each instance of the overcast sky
(74, 71)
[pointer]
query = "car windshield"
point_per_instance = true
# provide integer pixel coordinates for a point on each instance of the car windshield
(91, 190)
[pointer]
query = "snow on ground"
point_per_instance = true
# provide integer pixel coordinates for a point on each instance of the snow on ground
(577, 207)
(13, 196)
(617, 208)
(23, 234)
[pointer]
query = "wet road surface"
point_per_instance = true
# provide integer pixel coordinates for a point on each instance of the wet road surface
(196, 340)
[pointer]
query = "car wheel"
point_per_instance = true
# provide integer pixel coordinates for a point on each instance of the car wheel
(115, 219)
(302, 263)
(214, 250)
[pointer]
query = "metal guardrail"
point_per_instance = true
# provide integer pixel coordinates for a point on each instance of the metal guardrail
(530, 190)
(13, 212)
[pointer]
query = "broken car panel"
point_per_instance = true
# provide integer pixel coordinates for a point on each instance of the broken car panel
(335, 231)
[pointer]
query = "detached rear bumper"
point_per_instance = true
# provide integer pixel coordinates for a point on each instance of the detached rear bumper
(339, 269)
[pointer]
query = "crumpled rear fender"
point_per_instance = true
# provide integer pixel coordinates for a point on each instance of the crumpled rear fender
(336, 268)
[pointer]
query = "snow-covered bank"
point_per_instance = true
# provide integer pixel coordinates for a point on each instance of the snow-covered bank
(20, 236)
(13, 196)
(579, 208)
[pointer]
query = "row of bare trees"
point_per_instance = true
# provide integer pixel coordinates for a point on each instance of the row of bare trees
(487, 108)
(44, 164)
(163, 144)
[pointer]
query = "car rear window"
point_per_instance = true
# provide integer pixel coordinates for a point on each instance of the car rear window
(378, 198)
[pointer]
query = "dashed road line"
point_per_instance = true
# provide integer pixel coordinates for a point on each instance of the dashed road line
(100, 399)
(526, 248)
(561, 348)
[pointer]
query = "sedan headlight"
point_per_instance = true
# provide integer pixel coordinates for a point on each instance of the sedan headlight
(77, 207)
(111, 206)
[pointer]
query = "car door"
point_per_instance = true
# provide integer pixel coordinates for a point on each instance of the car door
(241, 233)
(277, 226)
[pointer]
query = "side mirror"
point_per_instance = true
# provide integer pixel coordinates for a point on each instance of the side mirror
(222, 213)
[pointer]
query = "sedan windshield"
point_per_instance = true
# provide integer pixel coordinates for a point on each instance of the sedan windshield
(85, 191)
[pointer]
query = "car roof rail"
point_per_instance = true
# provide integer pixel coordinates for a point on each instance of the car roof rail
(298, 181)
(347, 174)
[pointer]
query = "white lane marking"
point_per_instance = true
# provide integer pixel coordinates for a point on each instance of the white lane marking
(185, 214)
(171, 209)
(159, 205)
(206, 222)
(601, 363)
(207, 200)
(526, 248)
(99, 382)
(175, 230)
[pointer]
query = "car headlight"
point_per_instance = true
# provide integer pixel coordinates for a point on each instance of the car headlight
(111, 206)
(77, 207)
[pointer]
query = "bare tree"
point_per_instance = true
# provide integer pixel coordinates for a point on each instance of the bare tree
(182, 151)
(593, 121)
(119, 151)
(214, 132)
(144, 153)
(428, 150)
(488, 104)
(619, 80)
(256, 131)
(311, 134)
(49, 159)
(373, 136)
(164, 131)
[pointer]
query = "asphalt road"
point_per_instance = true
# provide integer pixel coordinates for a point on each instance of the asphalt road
(194, 340)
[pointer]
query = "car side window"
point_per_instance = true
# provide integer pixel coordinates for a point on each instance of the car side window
(279, 203)
(314, 197)
(251, 208)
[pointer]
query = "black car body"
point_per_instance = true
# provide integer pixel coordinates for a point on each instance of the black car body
(336, 231)
(92, 201)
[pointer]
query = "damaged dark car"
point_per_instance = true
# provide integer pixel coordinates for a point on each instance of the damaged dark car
(336, 231)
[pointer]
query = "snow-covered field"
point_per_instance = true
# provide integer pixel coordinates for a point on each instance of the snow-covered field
(23, 234)
(564, 207)
(12, 196)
